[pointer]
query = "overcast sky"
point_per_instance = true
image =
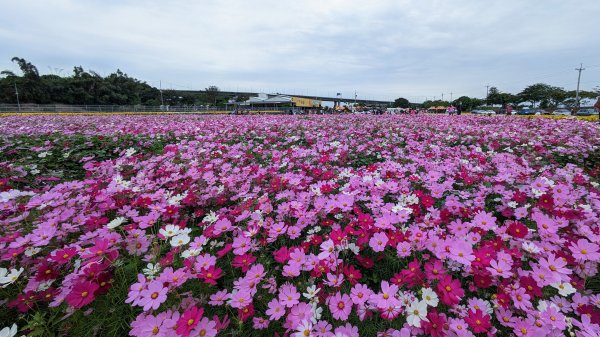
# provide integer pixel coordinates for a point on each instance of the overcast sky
(381, 49)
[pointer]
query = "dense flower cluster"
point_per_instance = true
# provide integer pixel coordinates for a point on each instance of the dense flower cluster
(315, 226)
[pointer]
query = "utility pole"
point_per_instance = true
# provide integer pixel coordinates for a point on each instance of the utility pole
(442, 96)
(487, 94)
(162, 102)
(17, 93)
(451, 97)
(581, 68)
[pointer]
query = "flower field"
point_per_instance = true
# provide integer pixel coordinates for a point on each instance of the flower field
(299, 226)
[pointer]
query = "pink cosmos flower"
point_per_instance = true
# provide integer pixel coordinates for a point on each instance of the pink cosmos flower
(288, 295)
(391, 311)
(327, 248)
(404, 249)
(340, 306)
(322, 329)
(153, 296)
(135, 290)
(555, 318)
(219, 297)
(461, 252)
(346, 330)
(386, 297)
(260, 323)
(556, 265)
(500, 268)
(521, 299)
(221, 226)
(484, 220)
(378, 242)
(256, 273)
(584, 250)
(275, 310)
(291, 270)
(360, 294)
(241, 245)
(240, 299)
(205, 261)
(205, 328)
(334, 280)
(298, 313)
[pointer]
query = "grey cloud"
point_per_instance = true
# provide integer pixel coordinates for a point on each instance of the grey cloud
(382, 49)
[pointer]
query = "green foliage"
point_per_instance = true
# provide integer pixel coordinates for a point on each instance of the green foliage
(401, 103)
(82, 87)
(467, 103)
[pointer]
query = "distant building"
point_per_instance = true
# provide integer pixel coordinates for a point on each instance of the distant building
(275, 100)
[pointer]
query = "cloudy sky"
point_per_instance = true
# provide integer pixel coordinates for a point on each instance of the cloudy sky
(381, 49)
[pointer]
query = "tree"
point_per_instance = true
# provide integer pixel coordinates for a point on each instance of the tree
(536, 93)
(211, 93)
(557, 96)
(28, 69)
(494, 96)
(82, 87)
(466, 103)
(401, 103)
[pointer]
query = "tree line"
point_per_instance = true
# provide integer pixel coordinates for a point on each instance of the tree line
(89, 88)
(538, 95)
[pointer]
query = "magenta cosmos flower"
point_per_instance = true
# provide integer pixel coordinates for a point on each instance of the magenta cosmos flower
(82, 294)
(188, 321)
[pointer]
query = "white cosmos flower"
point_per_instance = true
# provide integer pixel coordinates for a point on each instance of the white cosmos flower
(9, 332)
(8, 278)
(116, 222)
(180, 240)
(564, 288)
(169, 231)
(430, 297)
(317, 311)
(353, 248)
(31, 251)
(151, 270)
(130, 152)
(417, 312)
(210, 217)
(530, 247)
(191, 252)
(311, 292)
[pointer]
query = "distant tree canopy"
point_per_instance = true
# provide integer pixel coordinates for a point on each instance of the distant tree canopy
(540, 94)
(90, 88)
(401, 103)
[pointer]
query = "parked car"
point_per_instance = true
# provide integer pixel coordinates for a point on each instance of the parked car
(586, 112)
(483, 112)
(562, 112)
(525, 111)
(540, 112)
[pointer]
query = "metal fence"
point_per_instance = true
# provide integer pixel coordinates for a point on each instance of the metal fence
(126, 108)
